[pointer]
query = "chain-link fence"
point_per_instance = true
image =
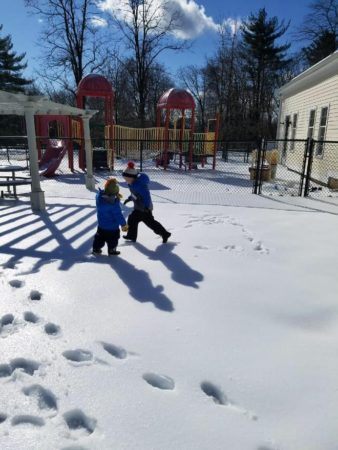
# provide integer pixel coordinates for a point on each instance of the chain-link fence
(282, 167)
(322, 170)
(298, 168)
(188, 169)
(14, 166)
(14, 151)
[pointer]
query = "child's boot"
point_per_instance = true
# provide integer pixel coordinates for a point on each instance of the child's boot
(113, 252)
(165, 237)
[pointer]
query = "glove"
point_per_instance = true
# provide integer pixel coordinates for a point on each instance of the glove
(147, 210)
(127, 200)
(124, 228)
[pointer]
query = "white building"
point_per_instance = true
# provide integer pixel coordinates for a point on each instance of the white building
(309, 109)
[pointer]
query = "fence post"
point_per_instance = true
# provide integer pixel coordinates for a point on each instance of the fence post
(259, 164)
(302, 176)
(141, 156)
(309, 168)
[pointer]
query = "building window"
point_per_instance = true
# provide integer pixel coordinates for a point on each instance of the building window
(293, 131)
(311, 126)
(287, 123)
(322, 131)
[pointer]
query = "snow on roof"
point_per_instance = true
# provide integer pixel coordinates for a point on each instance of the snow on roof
(17, 104)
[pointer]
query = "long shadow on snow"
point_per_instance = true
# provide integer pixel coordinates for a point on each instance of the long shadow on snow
(57, 227)
(180, 271)
(139, 283)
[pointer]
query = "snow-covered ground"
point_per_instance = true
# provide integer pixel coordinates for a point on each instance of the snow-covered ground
(224, 338)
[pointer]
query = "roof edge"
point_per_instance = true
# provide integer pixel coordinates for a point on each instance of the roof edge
(320, 71)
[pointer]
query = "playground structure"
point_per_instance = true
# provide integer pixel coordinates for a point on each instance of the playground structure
(173, 139)
(97, 86)
(52, 157)
(56, 135)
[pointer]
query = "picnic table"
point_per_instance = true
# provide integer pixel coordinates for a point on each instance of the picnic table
(11, 180)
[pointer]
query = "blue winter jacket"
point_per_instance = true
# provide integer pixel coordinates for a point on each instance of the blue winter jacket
(140, 193)
(109, 213)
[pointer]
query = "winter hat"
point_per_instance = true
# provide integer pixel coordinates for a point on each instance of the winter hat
(130, 171)
(111, 187)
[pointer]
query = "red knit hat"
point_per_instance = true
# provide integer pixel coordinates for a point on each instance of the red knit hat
(130, 171)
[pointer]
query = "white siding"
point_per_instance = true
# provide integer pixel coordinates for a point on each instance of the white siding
(316, 97)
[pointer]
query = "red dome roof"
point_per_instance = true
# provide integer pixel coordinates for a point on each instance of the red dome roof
(176, 99)
(94, 84)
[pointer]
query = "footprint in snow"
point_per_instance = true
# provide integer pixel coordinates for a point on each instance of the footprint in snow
(27, 419)
(6, 324)
(30, 317)
(234, 222)
(35, 295)
(220, 398)
(7, 319)
(79, 356)
(78, 421)
(201, 247)
(16, 283)
(52, 330)
(214, 392)
(25, 365)
(45, 398)
(159, 381)
(113, 350)
(234, 248)
(9, 265)
(259, 247)
(3, 418)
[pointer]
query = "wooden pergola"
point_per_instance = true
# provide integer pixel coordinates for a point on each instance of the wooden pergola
(31, 105)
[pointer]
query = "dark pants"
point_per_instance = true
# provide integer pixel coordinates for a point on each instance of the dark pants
(148, 219)
(109, 237)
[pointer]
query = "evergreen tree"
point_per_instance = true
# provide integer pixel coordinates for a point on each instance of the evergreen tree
(322, 46)
(11, 67)
(263, 62)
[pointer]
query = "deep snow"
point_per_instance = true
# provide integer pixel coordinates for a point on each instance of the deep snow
(224, 338)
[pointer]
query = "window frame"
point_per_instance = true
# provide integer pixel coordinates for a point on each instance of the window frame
(320, 147)
(309, 127)
(294, 130)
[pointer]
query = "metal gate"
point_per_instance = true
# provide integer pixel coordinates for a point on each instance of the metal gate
(297, 167)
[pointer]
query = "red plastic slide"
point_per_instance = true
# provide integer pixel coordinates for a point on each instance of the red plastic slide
(52, 157)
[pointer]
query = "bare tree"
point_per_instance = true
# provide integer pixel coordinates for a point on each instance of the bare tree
(226, 82)
(323, 16)
(194, 79)
(122, 74)
(320, 30)
(71, 40)
(148, 29)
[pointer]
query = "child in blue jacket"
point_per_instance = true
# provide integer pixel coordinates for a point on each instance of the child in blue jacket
(140, 195)
(109, 218)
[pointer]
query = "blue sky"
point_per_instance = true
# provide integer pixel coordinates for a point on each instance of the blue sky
(24, 28)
